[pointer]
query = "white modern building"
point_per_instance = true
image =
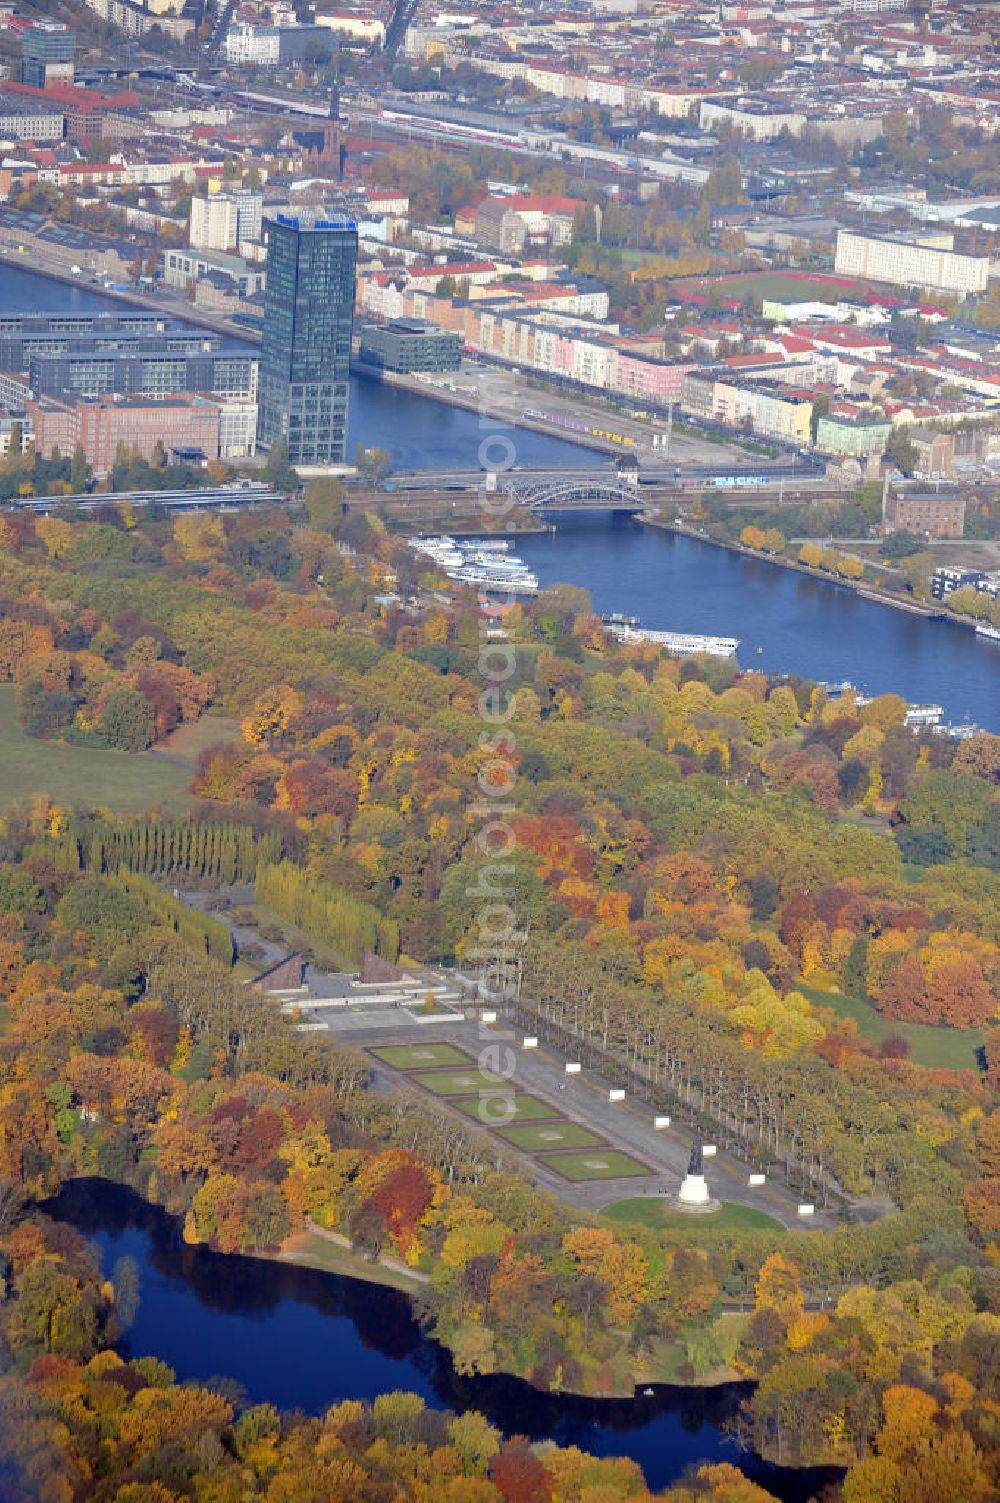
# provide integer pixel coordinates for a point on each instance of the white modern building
(213, 222)
(924, 261)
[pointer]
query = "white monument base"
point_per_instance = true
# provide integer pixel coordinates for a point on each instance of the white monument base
(694, 1190)
(693, 1195)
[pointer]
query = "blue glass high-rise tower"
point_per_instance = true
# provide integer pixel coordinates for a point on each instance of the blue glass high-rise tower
(306, 349)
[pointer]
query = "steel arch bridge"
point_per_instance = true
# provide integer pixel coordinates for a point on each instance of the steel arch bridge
(579, 492)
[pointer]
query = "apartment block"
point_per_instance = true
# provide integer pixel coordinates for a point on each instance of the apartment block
(928, 261)
(213, 222)
(750, 407)
(527, 222)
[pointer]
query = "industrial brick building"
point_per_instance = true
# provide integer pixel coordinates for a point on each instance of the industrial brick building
(936, 514)
(100, 424)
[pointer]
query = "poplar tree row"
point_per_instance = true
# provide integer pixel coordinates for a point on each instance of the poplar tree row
(224, 853)
(199, 931)
(344, 923)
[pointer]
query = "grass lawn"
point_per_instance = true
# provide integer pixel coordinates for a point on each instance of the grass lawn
(310, 1250)
(654, 1210)
(79, 775)
(948, 1048)
(417, 1056)
(498, 1109)
(463, 1082)
(551, 1135)
(189, 740)
(607, 1163)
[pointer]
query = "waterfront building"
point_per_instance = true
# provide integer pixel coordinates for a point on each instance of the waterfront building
(925, 261)
(131, 354)
(181, 267)
(945, 581)
(936, 514)
(101, 424)
(306, 349)
(410, 344)
(152, 370)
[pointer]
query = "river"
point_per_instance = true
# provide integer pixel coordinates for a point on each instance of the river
(419, 433)
(215, 1315)
(788, 622)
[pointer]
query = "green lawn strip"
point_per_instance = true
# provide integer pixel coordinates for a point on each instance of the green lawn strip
(498, 1109)
(655, 1211)
(946, 1048)
(465, 1082)
(593, 1163)
(186, 743)
(551, 1135)
(769, 285)
(420, 1056)
(310, 1250)
(86, 776)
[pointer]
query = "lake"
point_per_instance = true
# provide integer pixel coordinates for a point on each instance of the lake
(302, 1339)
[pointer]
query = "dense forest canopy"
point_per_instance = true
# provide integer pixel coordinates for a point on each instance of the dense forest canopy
(734, 892)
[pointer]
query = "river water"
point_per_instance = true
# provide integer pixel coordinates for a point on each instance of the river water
(303, 1339)
(420, 434)
(787, 622)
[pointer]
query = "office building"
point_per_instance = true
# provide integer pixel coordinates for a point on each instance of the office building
(153, 371)
(101, 424)
(59, 326)
(410, 344)
(183, 268)
(928, 262)
(249, 204)
(28, 119)
(306, 349)
(47, 51)
(853, 436)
